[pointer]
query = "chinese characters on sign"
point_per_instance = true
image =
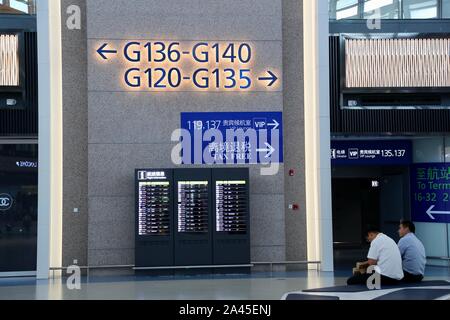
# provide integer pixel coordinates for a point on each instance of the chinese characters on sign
(389, 152)
(232, 137)
(430, 186)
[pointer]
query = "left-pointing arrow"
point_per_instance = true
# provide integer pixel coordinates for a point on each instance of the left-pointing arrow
(102, 50)
(431, 213)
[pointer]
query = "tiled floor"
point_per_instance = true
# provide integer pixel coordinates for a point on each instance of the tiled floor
(240, 287)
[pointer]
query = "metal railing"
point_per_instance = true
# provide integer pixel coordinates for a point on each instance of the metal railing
(439, 258)
(133, 267)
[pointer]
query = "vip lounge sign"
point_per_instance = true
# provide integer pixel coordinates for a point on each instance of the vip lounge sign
(371, 152)
(6, 202)
(157, 65)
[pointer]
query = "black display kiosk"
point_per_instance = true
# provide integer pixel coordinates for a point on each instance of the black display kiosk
(231, 227)
(192, 218)
(193, 243)
(154, 218)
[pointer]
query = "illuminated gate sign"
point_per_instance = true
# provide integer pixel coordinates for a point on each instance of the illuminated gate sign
(189, 66)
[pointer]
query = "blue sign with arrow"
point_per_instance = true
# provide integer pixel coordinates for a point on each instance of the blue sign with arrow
(430, 188)
(238, 137)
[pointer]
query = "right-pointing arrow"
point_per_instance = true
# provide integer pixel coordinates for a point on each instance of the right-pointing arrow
(430, 212)
(270, 150)
(275, 124)
(273, 78)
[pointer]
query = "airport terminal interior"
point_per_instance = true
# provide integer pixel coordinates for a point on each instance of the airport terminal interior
(224, 150)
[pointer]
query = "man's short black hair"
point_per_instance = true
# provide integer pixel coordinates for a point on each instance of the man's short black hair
(408, 224)
(372, 228)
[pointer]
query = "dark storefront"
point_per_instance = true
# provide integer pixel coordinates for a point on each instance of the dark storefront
(18, 141)
(376, 98)
(18, 207)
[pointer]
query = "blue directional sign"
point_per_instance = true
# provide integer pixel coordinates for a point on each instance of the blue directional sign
(233, 137)
(371, 152)
(430, 192)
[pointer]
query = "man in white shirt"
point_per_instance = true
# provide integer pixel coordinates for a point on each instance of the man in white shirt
(385, 256)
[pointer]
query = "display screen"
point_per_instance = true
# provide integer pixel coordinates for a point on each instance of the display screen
(231, 206)
(193, 206)
(9, 60)
(154, 208)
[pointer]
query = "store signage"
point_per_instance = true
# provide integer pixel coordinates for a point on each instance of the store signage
(188, 66)
(232, 137)
(6, 202)
(26, 164)
(365, 152)
(430, 188)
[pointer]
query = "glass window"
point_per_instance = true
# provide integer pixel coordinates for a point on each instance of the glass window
(389, 9)
(420, 9)
(381, 9)
(17, 6)
(344, 9)
(445, 8)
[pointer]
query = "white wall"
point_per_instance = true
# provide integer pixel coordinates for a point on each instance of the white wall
(317, 133)
(50, 137)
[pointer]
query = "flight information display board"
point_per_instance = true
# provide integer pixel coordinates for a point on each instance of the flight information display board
(193, 206)
(192, 217)
(154, 208)
(231, 206)
(193, 239)
(154, 218)
(231, 235)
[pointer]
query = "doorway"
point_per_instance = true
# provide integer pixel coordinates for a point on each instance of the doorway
(371, 195)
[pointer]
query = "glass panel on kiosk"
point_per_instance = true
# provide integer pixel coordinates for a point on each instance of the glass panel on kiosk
(231, 206)
(231, 236)
(193, 244)
(193, 206)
